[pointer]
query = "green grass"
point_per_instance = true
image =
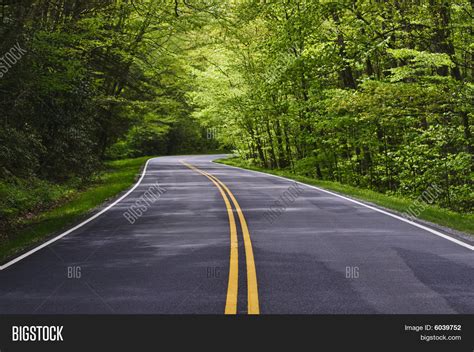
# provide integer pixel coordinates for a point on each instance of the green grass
(434, 214)
(118, 176)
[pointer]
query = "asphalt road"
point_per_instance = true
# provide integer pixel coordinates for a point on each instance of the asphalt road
(189, 252)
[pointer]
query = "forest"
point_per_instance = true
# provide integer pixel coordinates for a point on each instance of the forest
(376, 94)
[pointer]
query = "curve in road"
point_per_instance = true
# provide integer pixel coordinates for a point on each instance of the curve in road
(322, 253)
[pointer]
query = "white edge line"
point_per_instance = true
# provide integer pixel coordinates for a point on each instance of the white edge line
(437, 233)
(41, 246)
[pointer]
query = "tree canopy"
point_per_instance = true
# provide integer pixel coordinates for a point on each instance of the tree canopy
(377, 94)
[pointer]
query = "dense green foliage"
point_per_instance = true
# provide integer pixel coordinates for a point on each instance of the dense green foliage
(372, 94)
(92, 71)
(375, 94)
(89, 81)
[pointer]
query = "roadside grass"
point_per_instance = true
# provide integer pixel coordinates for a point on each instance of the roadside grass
(434, 214)
(118, 176)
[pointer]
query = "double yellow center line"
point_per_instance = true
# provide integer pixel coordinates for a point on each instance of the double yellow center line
(232, 288)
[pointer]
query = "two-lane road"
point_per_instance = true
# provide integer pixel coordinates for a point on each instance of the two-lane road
(206, 244)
